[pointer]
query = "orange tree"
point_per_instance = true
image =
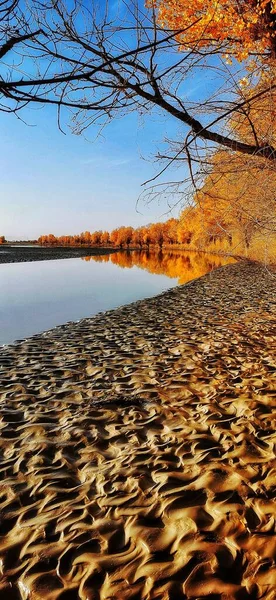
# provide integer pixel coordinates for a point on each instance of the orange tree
(237, 201)
(241, 26)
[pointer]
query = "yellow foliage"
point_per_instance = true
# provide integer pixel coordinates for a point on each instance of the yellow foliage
(243, 27)
(237, 204)
(183, 266)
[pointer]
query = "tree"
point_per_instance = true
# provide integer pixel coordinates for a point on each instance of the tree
(137, 237)
(170, 231)
(2, 239)
(237, 201)
(122, 236)
(100, 66)
(240, 26)
(146, 236)
(105, 238)
(114, 237)
(85, 238)
(157, 234)
(49, 239)
(95, 238)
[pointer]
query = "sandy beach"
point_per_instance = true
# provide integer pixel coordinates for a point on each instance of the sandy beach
(137, 449)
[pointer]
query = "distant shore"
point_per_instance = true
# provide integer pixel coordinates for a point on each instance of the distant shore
(15, 254)
(21, 253)
(138, 447)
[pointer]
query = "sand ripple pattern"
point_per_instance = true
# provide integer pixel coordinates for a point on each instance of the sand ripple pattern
(137, 450)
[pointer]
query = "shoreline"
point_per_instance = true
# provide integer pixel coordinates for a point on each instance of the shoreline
(20, 253)
(16, 254)
(138, 447)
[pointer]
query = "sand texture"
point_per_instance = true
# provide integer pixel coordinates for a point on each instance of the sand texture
(137, 449)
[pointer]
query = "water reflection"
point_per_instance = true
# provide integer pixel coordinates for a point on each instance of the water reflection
(183, 266)
(36, 296)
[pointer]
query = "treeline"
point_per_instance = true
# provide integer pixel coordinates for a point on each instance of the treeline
(189, 230)
(155, 234)
(221, 221)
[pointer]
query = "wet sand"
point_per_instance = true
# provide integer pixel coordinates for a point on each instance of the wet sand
(12, 254)
(137, 449)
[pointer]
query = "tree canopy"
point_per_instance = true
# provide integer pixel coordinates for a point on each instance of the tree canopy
(100, 63)
(241, 27)
(97, 62)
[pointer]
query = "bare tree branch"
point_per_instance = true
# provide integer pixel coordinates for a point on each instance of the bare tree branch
(100, 64)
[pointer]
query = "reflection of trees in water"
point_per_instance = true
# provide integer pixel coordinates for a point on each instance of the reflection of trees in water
(124, 259)
(97, 258)
(183, 266)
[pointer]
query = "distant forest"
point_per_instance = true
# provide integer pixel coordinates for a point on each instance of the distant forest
(229, 215)
(233, 212)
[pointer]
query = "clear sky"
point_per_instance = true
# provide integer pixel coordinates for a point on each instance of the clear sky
(65, 184)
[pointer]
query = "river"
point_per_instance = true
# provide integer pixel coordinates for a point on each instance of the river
(37, 296)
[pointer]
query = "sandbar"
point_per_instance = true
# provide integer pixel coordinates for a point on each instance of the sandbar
(15, 254)
(137, 449)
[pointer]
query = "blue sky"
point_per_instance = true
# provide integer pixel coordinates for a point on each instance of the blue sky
(58, 183)
(65, 184)
(55, 183)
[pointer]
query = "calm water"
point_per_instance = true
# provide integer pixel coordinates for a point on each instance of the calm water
(37, 296)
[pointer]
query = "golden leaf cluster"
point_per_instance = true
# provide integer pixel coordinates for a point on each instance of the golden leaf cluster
(244, 27)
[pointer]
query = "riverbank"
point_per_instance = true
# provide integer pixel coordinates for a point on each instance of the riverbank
(14, 254)
(137, 448)
(21, 253)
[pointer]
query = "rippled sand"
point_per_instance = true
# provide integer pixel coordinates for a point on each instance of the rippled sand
(136, 449)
